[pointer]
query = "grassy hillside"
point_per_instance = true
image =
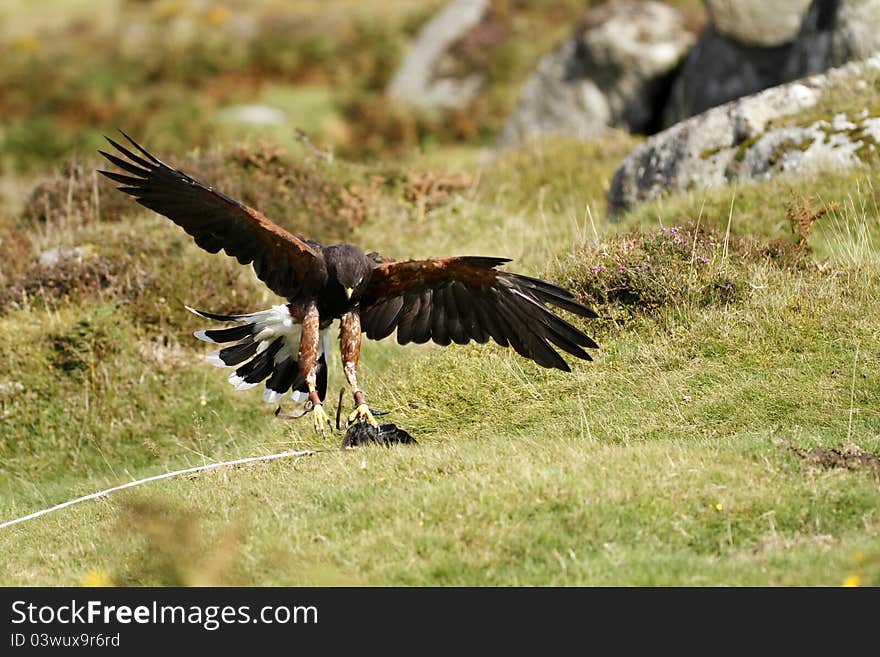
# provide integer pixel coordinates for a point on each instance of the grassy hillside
(668, 460)
(724, 434)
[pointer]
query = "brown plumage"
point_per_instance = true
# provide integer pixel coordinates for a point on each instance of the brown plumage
(446, 300)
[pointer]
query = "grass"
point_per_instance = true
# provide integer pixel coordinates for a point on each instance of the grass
(659, 463)
(666, 461)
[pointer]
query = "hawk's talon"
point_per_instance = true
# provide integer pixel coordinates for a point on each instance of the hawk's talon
(360, 414)
(322, 421)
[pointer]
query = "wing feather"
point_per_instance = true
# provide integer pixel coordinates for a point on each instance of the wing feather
(218, 222)
(465, 306)
(466, 298)
(443, 322)
(421, 327)
(411, 305)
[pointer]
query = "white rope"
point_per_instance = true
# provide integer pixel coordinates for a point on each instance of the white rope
(167, 475)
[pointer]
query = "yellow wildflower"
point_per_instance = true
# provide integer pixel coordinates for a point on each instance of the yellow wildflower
(96, 578)
(851, 580)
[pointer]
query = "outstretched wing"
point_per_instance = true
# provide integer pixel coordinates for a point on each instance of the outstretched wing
(466, 298)
(216, 221)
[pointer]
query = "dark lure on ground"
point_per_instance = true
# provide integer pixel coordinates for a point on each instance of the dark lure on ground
(358, 431)
(361, 433)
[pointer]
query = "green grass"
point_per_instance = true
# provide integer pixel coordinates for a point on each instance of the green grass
(660, 463)
(663, 462)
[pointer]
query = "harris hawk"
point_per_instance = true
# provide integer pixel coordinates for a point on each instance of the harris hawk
(446, 300)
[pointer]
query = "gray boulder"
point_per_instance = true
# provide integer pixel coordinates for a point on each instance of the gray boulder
(737, 54)
(856, 32)
(734, 141)
(758, 22)
(613, 71)
(820, 146)
(420, 80)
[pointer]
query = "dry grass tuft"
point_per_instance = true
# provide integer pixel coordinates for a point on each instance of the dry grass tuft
(72, 278)
(75, 195)
(802, 215)
(431, 189)
(15, 256)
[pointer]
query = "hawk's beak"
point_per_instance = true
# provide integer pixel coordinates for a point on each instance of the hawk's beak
(348, 292)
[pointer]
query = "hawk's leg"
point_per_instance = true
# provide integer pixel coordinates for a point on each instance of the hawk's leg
(350, 343)
(308, 365)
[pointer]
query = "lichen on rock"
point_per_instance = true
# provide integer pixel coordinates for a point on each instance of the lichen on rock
(765, 134)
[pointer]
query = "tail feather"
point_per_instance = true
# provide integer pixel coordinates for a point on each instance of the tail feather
(256, 369)
(300, 389)
(220, 336)
(225, 318)
(280, 381)
(321, 374)
(234, 355)
(265, 347)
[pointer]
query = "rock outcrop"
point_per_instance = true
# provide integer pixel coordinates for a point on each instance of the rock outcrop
(736, 141)
(614, 71)
(857, 30)
(758, 23)
(420, 80)
(751, 45)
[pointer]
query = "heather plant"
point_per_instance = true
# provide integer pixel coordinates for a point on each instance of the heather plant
(684, 266)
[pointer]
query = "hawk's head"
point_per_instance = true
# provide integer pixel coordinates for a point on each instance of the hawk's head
(350, 267)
